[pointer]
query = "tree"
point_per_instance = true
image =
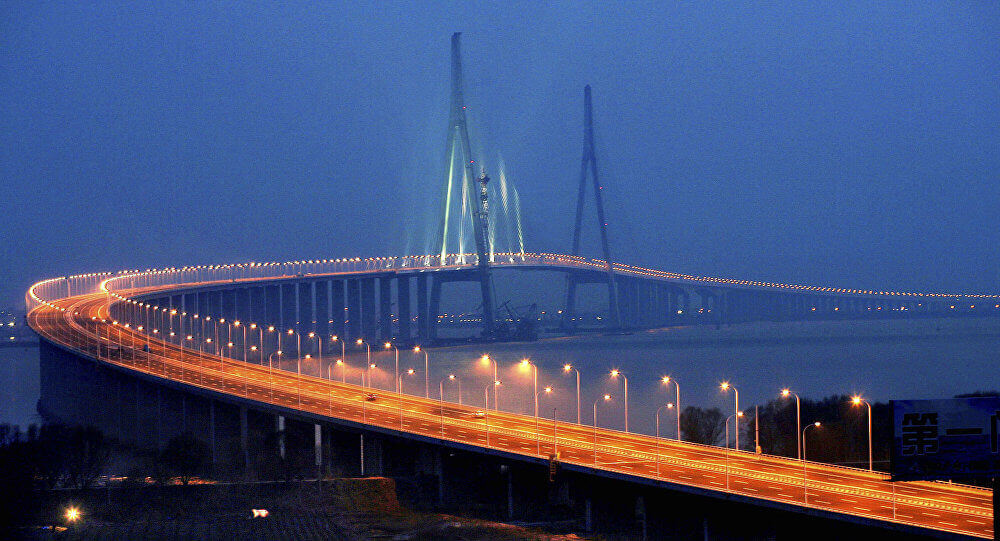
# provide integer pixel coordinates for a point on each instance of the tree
(702, 425)
(185, 456)
(87, 454)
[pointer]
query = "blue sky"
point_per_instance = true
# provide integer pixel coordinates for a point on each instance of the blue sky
(847, 144)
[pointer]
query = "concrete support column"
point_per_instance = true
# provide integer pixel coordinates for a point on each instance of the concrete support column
(385, 307)
(369, 321)
(434, 309)
(403, 302)
(272, 306)
(244, 429)
(423, 319)
(280, 428)
(321, 292)
(307, 312)
(338, 309)
(289, 308)
(353, 309)
(318, 444)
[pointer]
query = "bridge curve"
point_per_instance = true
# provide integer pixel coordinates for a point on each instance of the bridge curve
(147, 322)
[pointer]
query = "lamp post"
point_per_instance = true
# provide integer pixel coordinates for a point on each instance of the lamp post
(856, 400)
(614, 374)
(270, 375)
(736, 415)
(451, 377)
(487, 358)
(399, 395)
(343, 349)
(725, 386)
(525, 363)
(817, 424)
(667, 406)
(805, 489)
(388, 345)
(343, 370)
(606, 398)
(667, 380)
(798, 421)
(361, 342)
(427, 371)
(298, 350)
(486, 407)
(568, 368)
(538, 439)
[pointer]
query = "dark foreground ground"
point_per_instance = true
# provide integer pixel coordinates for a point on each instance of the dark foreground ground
(344, 509)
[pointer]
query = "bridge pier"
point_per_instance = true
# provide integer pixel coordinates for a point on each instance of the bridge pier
(368, 320)
(353, 320)
(338, 309)
(423, 310)
(321, 310)
(403, 302)
(385, 307)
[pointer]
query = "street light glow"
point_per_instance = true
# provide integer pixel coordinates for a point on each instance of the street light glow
(785, 392)
(724, 386)
(856, 400)
(607, 397)
(72, 514)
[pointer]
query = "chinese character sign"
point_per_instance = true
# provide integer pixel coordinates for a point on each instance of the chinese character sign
(945, 439)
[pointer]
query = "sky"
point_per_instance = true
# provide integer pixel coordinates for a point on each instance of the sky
(846, 144)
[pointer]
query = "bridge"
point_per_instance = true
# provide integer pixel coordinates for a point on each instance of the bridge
(216, 331)
(230, 347)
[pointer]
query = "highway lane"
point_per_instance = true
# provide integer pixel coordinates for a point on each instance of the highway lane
(933, 505)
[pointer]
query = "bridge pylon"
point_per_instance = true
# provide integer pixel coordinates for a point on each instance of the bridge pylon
(589, 161)
(471, 188)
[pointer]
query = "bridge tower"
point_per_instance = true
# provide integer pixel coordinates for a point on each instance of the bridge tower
(471, 188)
(590, 159)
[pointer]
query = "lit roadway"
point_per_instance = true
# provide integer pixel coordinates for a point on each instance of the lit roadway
(938, 506)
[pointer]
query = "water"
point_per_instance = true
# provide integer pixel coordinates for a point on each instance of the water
(19, 385)
(883, 360)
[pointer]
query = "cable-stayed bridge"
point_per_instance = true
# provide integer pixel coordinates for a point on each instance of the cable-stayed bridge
(226, 349)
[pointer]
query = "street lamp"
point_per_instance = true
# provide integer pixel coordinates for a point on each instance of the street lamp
(343, 370)
(399, 397)
(736, 415)
(367, 375)
(538, 441)
(736, 422)
(427, 371)
(667, 380)
(805, 485)
(343, 352)
(725, 386)
(567, 368)
(856, 400)
(798, 419)
(614, 374)
(361, 342)
(388, 345)
(525, 363)
(668, 406)
(451, 377)
(486, 406)
(487, 359)
(817, 424)
(606, 398)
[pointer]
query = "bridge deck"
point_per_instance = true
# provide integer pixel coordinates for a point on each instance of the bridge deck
(76, 322)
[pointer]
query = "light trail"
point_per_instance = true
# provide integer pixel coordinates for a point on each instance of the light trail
(83, 322)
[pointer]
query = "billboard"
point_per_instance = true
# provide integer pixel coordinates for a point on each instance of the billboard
(945, 439)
